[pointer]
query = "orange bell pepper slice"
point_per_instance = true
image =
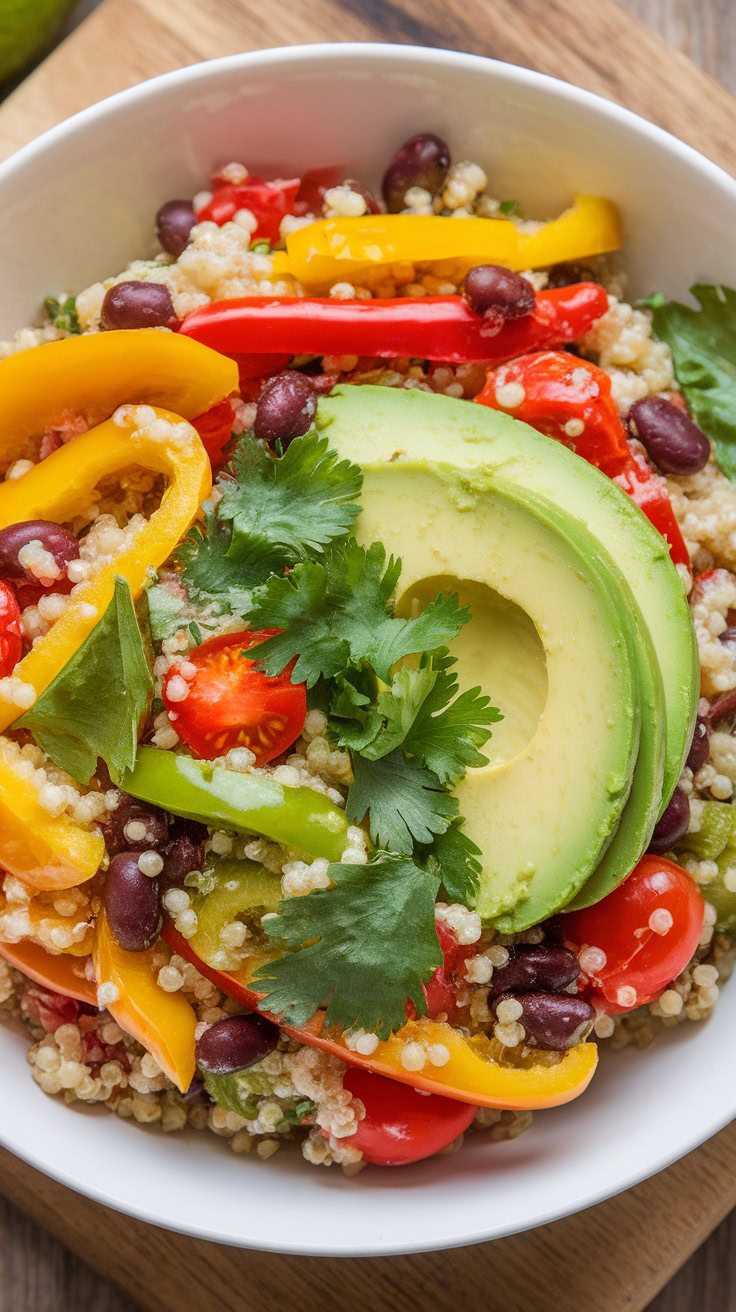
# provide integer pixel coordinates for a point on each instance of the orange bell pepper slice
(95, 373)
(62, 974)
(163, 1022)
(471, 1075)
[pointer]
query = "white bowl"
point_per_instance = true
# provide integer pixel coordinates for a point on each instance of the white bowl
(75, 206)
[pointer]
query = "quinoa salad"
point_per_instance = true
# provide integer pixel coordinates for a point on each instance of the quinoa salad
(367, 664)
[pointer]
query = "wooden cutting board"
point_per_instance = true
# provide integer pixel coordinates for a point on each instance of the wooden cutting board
(614, 1257)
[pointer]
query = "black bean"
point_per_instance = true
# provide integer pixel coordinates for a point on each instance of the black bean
(566, 274)
(174, 223)
(422, 161)
(184, 853)
(233, 1044)
(700, 745)
(671, 438)
(723, 711)
(286, 407)
(129, 811)
(132, 902)
(534, 966)
(672, 824)
(489, 289)
(137, 305)
(54, 538)
(553, 1020)
(371, 204)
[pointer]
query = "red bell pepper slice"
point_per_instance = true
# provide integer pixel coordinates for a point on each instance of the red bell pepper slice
(569, 399)
(432, 328)
(269, 202)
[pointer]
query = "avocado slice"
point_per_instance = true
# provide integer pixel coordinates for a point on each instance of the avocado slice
(545, 808)
(392, 424)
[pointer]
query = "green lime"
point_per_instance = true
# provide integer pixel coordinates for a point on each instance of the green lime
(27, 27)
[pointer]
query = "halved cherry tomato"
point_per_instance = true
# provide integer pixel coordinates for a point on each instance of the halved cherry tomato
(231, 703)
(448, 980)
(11, 642)
(268, 202)
(648, 927)
(402, 1125)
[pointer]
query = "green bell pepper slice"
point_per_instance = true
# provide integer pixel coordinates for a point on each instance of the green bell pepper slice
(250, 803)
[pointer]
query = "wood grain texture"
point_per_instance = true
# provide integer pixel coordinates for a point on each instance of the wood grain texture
(593, 44)
(615, 1257)
(611, 1259)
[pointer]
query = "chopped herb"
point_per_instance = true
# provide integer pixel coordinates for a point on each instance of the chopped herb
(703, 345)
(195, 632)
(337, 615)
(287, 510)
(94, 706)
(376, 945)
(455, 858)
(63, 314)
(405, 802)
(508, 207)
(652, 302)
(261, 247)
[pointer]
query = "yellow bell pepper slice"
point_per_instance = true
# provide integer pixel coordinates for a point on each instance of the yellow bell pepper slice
(163, 1022)
(62, 974)
(59, 488)
(97, 372)
(473, 1074)
(331, 249)
(46, 852)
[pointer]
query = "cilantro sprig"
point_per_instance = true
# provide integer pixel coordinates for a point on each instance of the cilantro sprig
(338, 615)
(365, 947)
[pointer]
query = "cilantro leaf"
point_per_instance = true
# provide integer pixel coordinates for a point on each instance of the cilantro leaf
(337, 614)
(210, 574)
(455, 858)
(63, 314)
(422, 711)
(448, 729)
(164, 612)
(376, 945)
(703, 345)
(95, 704)
(508, 207)
(284, 510)
(404, 801)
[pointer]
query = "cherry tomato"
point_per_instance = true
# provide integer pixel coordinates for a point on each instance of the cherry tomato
(312, 189)
(448, 981)
(400, 1124)
(268, 202)
(11, 642)
(231, 703)
(648, 928)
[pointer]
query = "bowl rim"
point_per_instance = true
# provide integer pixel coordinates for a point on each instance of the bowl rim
(503, 73)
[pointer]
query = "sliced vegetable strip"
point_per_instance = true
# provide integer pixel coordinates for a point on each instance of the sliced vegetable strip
(433, 327)
(61, 974)
(469, 1075)
(163, 1022)
(331, 249)
(93, 374)
(569, 399)
(62, 485)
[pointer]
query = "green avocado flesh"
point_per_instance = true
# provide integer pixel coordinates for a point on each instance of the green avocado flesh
(390, 424)
(503, 649)
(548, 641)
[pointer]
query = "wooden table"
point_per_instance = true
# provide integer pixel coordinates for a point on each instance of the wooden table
(39, 1273)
